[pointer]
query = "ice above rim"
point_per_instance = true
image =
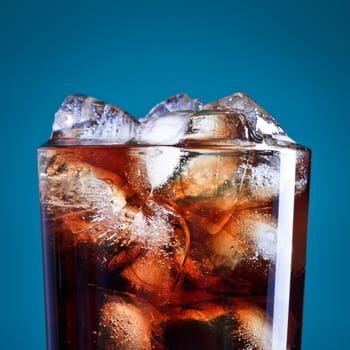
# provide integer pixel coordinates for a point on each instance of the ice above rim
(176, 120)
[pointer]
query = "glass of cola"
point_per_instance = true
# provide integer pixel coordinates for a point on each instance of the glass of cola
(183, 230)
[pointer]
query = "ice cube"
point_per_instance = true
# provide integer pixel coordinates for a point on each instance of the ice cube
(218, 127)
(207, 188)
(244, 251)
(84, 203)
(124, 325)
(179, 102)
(166, 129)
(254, 329)
(209, 175)
(249, 235)
(227, 250)
(85, 118)
(164, 239)
(161, 163)
(74, 186)
(259, 173)
(149, 168)
(261, 123)
(168, 121)
(263, 181)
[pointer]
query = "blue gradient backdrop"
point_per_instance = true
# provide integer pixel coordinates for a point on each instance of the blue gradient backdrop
(292, 57)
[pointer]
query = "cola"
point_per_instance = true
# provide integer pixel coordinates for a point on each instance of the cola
(196, 245)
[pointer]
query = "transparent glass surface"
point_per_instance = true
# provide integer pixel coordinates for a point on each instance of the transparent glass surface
(174, 247)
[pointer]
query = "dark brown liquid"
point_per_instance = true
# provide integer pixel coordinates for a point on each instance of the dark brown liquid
(184, 264)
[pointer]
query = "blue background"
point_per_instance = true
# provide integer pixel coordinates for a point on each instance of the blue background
(291, 57)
